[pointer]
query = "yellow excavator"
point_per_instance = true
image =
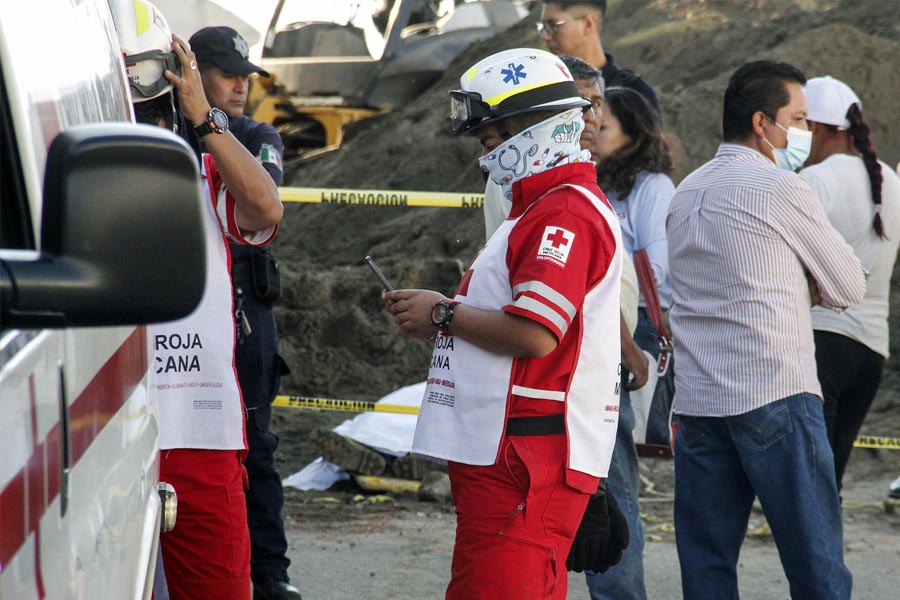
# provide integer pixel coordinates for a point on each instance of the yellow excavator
(360, 59)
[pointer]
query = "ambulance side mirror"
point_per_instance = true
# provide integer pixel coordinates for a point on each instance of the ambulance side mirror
(122, 238)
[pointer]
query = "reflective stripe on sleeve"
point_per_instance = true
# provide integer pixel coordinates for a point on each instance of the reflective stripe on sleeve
(542, 289)
(542, 310)
(537, 394)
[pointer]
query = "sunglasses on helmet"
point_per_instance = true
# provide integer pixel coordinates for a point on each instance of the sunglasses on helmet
(170, 61)
(467, 110)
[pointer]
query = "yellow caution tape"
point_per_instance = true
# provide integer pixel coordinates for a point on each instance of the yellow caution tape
(871, 441)
(345, 405)
(863, 441)
(381, 197)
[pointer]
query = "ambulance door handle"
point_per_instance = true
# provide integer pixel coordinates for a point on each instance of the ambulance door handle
(65, 451)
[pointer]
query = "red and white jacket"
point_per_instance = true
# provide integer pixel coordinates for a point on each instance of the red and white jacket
(555, 260)
(192, 372)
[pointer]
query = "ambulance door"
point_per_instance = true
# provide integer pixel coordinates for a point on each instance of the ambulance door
(79, 506)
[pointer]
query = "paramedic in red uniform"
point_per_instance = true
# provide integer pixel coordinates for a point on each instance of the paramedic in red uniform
(522, 395)
(222, 59)
(193, 378)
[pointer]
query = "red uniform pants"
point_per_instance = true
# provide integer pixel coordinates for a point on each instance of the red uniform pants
(207, 554)
(515, 523)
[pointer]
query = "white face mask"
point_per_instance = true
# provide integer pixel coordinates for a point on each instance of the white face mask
(796, 152)
(548, 144)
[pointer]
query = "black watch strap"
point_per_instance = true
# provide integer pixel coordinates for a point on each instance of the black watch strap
(442, 314)
(216, 122)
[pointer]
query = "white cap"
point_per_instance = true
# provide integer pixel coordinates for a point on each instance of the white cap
(829, 100)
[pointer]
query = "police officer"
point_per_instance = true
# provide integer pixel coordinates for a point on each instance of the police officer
(222, 58)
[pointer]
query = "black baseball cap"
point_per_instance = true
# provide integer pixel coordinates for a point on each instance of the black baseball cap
(224, 47)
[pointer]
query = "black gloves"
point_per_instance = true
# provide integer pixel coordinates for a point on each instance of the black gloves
(601, 537)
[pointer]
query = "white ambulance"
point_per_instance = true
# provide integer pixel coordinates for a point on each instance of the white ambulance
(100, 232)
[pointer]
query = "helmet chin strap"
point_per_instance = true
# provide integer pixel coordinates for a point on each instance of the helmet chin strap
(174, 118)
(181, 127)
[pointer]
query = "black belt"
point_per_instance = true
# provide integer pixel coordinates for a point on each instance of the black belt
(547, 425)
(241, 270)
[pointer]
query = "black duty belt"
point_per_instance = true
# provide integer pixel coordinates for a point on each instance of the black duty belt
(241, 270)
(546, 425)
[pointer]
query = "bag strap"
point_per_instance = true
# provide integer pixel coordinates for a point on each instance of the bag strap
(654, 308)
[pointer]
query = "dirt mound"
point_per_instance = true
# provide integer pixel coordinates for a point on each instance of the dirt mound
(335, 335)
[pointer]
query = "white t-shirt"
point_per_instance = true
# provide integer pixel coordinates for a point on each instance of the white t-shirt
(842, 184)
(630, 293)
(642, 216)
(496, 208)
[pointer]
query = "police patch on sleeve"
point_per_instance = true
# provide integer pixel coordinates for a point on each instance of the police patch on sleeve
(555, 245)
(270, 154)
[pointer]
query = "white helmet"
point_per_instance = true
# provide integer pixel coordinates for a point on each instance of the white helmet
(509, 83)
(146, 42)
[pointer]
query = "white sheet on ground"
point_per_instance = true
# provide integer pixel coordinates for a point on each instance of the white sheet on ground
(387, 432)
(317, 475)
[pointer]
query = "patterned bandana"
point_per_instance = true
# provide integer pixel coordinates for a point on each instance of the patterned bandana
(545, 145)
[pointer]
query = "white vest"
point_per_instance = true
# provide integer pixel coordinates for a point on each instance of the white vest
(192, 368)
(464, 409)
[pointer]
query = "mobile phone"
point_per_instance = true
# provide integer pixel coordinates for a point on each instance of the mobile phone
(384, 280)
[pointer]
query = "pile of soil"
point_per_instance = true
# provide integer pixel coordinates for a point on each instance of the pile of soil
(336, 336)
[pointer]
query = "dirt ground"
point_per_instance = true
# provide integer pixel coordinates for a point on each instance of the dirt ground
(347, 545)
(341, 344)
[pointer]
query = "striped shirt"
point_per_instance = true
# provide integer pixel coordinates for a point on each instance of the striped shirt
(742, 235)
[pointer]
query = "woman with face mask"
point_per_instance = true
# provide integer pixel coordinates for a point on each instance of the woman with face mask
(633, 170)
(861, 196)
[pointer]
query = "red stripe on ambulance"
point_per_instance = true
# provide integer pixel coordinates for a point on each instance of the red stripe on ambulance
(106, 393)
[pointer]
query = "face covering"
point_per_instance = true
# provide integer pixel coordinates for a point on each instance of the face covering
(548, 144)
(797, 151)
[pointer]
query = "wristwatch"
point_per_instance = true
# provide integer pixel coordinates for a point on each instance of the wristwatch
(216, 122)
(442, 314)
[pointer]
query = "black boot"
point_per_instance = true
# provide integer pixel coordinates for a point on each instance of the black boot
(275, 588)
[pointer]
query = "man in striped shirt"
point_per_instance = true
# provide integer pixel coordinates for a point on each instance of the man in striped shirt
(750, 252)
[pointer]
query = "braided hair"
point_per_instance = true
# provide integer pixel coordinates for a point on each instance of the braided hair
(859, 133)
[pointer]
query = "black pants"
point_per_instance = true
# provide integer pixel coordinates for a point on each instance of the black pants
(849, 373)
(260, 368)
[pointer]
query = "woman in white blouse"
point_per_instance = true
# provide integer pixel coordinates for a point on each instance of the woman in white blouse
(861, 196)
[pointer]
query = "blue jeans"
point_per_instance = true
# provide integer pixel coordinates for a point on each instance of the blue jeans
(779, 453)
(625, 581)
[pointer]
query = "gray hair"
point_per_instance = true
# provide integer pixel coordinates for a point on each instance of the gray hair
(581, 71)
